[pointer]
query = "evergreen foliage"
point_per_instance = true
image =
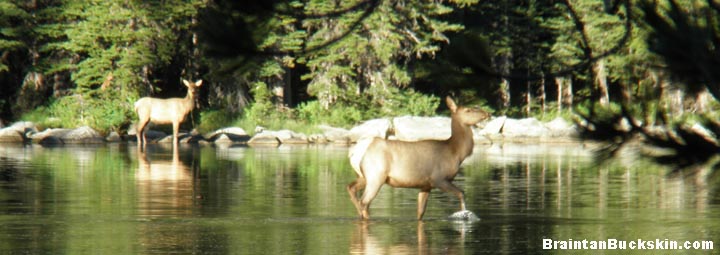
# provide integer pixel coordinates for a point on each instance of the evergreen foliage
(84, 62)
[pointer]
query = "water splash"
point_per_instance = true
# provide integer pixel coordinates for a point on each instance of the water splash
(464, 215)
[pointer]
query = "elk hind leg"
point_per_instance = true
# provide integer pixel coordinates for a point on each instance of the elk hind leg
(371, 190)
(352, 189)
(422, 203)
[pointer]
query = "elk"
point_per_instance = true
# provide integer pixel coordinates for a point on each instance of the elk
(165, 111)
(423, 165)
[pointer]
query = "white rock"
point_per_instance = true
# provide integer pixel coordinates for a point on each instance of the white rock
(411, 128)
(370, 128)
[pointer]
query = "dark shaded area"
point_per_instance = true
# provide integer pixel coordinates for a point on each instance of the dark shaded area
(688, 44)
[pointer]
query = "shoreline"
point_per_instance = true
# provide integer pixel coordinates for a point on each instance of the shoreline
(406, 128)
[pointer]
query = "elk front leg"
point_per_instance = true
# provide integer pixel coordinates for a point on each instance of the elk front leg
(422, 203)
(450, 188)
(140, 132)
(176, 128)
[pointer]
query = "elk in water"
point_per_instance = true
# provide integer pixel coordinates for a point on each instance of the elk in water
(423, 165)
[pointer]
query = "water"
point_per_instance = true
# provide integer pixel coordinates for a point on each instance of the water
(111, 199)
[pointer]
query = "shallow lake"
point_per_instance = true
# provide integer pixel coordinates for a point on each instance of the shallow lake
(112, 199)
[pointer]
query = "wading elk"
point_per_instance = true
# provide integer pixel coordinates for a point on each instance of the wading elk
(421, 165)
(165, 111)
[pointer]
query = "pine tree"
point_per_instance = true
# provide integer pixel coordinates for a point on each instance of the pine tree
(111, 50)
(377, 44)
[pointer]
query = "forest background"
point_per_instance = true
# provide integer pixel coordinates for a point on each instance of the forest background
(298, 64)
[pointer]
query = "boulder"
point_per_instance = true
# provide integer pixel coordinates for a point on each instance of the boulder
(411, 128)
(223, 139)
(113, 137)
(17, 132)
(523, 128)
(182, 138)
(494, 126)
(334, 134)
(317, 138)
(9, 135)
(370, 128)
(23, 127)
(281, 136)
(228, 135)
(559, 127)
(150, 135)
(82, 135)
(50, 136)
(264, 141)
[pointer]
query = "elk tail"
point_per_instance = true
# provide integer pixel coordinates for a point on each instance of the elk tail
(357, 153)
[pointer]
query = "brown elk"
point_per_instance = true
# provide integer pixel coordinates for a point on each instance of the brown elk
(421, 165)
(165, 111)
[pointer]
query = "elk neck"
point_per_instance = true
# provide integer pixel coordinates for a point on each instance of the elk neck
(461, 140)
(189, 101)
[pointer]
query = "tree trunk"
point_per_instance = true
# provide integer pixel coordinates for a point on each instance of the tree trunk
(600, 74)
(559, 83)
(504, 98)
(568, 94)
(542, 93)
(528, 97)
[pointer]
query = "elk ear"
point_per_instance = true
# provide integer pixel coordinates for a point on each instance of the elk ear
(451, 104)
(198, 83)
(187, 83)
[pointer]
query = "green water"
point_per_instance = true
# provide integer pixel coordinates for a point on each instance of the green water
(112, 199)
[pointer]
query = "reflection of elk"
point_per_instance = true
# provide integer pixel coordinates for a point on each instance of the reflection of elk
(165, 111)
(422, 165)
(164, 184)
(364, 242)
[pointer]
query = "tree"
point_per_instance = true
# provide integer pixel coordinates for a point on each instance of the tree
(373, 58)
(112, 51)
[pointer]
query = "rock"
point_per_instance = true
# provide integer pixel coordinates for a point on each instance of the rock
(268, 137)
(233, 134)
(50, 136)
(480, 138)
(494, 126)
(223, 139)
(17, 132)
(523, 128)
(333, 134)
(113, 137)
(182, 138)
(24, 126)
(411, 128)
(263, 140)
(285, 136)
(296, 138)
(150, 135)
(559, 127)
(317, 138)
(83, 134)
(191, 137)
(9, 135)
(370, 128)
